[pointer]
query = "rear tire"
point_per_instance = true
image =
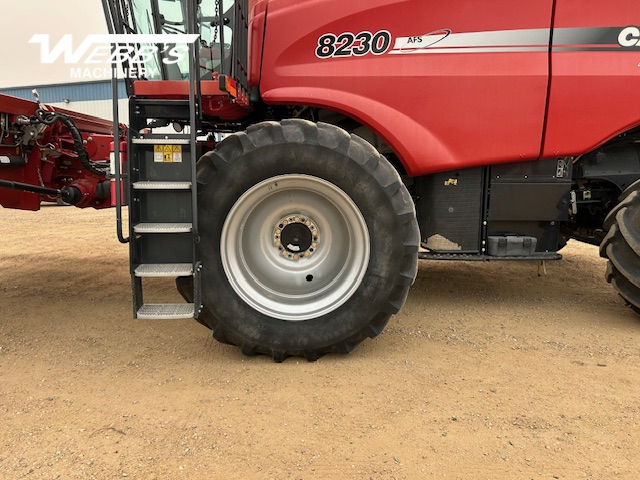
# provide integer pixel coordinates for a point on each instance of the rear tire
(621, 246)
(309, 240)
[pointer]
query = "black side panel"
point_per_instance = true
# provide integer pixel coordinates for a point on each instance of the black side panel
(158, 247)
(164, 206)
(619, 165)
(450, 210)
(474, 211)
(530, 199)
(599, 179)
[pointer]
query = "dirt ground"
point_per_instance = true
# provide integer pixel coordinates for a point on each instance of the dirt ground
(489, 372)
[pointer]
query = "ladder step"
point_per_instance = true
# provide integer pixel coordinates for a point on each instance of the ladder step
(162, 185)
(166, 311)
(164, 270)
(161, 141)
(162, 228)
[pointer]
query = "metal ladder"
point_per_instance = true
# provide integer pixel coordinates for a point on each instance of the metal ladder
(163, 218)
(162, 194)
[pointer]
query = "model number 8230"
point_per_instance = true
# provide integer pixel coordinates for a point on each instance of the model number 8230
(347, 44)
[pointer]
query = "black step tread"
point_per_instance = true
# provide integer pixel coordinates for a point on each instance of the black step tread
(165, 311)
(163, 270)
(163, 228)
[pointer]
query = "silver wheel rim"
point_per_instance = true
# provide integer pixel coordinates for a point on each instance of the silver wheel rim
(260, 263)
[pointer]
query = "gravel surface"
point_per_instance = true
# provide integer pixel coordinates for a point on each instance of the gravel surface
(491, 371)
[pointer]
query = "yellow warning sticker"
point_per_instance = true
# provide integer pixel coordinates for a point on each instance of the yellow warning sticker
(157, 153)
(167, 153)
(177, 153)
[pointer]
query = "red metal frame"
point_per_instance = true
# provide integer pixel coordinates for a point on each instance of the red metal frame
(52, 161)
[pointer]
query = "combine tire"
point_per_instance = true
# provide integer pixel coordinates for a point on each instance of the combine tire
(622, 246)
(309, 240)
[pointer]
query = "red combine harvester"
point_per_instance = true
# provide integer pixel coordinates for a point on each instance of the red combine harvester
(355, 133)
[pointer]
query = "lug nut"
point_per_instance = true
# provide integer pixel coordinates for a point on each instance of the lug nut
(299, 248)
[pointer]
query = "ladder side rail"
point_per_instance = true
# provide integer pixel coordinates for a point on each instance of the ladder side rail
(115, 23)
(106, 7)
(193, 125)
(195, 115)
(220, 8)
(241, 53)
(193, 28)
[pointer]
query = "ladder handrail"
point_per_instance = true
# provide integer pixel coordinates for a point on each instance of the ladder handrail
(116, 154)
(116, 125)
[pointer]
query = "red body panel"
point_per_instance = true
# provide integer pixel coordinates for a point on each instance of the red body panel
(255, 41)
(482, 100)
(594, 95)
(437, 111)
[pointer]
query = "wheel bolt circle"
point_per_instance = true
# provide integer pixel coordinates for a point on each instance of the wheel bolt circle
(296, 237)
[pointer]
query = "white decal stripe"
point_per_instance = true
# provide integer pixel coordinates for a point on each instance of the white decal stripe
(504, 38)
(432, 50)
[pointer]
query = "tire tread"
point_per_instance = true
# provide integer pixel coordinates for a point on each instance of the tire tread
(364, 154)
(621, 246)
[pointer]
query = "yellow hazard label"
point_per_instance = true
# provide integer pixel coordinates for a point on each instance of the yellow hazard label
(167, 153)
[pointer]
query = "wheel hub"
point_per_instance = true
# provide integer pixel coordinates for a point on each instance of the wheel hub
(294, 247)
(296, 237)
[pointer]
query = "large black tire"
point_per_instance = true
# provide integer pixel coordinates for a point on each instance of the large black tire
(360, 217)
(621, 246)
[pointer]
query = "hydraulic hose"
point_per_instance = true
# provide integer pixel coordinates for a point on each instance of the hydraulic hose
(49, 118)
